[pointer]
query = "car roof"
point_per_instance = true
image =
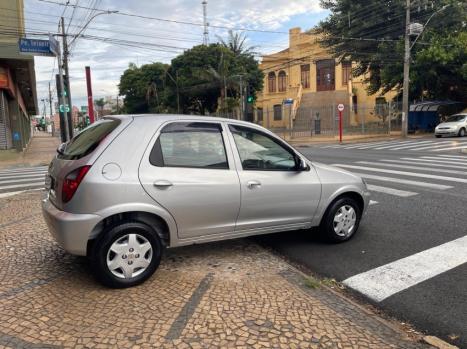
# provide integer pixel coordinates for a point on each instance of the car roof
(180, 117)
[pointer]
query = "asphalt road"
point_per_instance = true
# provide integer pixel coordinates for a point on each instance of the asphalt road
(421, 204)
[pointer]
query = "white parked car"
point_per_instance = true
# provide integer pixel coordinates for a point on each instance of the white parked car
(455, 125)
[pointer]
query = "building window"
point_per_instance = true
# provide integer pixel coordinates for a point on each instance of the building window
(325, 75)
(278, 112)
(346, 72)
(305, 75)
(282, 81)
(272, 82)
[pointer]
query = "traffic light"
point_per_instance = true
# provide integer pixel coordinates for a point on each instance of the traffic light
(250, 99)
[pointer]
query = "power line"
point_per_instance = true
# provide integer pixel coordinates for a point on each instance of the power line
(173, 21)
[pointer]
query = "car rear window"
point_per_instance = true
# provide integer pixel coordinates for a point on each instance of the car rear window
(86, 141)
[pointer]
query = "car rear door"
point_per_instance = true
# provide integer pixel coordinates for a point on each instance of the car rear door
(273, 192)
(189, 170)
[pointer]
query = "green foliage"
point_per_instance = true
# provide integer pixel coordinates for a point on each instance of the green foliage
(438, 67)
(143, 88)
(204, 79)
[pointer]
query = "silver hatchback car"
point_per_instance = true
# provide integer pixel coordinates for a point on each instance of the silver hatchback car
(127, 187)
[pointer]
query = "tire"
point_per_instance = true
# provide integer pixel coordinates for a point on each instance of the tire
(438, 136)
(461, 132)
(344, 205)
(125, 246)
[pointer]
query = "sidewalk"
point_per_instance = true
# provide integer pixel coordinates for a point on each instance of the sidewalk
(39, 151)
(231, 294)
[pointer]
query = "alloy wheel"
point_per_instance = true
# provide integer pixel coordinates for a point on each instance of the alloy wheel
(345, 220)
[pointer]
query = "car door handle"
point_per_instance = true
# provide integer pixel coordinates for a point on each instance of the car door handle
(253, 184)
(163, 184)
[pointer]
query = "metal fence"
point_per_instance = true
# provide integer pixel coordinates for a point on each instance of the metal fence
(323, 121)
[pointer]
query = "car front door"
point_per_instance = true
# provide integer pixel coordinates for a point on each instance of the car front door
(189, 171)
(274, 194)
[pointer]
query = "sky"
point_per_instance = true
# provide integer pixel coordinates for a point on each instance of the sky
(150, 40)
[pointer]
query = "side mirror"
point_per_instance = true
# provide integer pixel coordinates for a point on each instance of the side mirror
(301, 164)
(61, 148)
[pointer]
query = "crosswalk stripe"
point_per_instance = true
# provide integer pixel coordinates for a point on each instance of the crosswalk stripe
(434, 160)
(34, 184)
(404, 173)
(391, 191)
(357, 145)
(439, 170)
(452, 148)
(427, 163)
(27, 180)
(13, 193)
(369, 146)
(2, 177)
(435, 146)
(389, 279)
(451, 161)
(453, 156)
(408, 146)
(26, 169)
(403, 181)
(373, 202)
(395, 145)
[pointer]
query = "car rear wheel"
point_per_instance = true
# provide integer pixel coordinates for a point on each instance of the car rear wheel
(462, 132)
(341, 220)
(126, 255)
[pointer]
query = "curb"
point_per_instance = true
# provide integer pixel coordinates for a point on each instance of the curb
(438, 343)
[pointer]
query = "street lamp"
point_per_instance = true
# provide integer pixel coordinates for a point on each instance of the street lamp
(89, 21)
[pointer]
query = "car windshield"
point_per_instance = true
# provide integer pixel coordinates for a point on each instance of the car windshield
(454, 118)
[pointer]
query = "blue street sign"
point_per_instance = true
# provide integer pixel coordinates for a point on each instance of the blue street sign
(54, 45)
(36, 47)
(288, 101)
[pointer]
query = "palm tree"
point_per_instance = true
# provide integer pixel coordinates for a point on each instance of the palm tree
(236, 42)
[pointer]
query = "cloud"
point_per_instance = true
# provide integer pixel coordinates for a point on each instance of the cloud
(108, 61)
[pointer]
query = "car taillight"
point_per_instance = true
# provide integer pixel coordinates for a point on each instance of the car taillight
(72, 181)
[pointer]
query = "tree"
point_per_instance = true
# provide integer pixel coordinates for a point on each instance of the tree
(371, 33)
(209, 74)
(236, 42)
(143, 88)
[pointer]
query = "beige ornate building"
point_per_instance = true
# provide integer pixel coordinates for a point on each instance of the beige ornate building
(306, 77)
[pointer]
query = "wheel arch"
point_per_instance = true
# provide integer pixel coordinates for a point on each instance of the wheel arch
(165, 228)
(355, 195)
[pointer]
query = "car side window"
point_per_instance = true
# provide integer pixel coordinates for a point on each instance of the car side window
(190, 144)
(259, 151)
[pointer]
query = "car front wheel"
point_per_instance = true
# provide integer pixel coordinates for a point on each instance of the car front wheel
(126, 255)
(341, 220)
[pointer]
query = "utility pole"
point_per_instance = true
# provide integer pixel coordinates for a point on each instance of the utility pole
(89, 90)
(405, 87)
(51, 113)
(67, 74)
(66, 134)
(242, 99)
(205, 23)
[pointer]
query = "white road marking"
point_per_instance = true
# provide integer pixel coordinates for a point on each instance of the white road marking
(404, 173)
(40, 175)
(372, 144)
(369, 146)
(418, 168)
(452, 161)
(391, 191)
(373, 202)
(23, 170)
(413, 145)
(453, 156)
(438, 145)
(13, 193)
(396, 145)
(452, 148)
(424, 163)
(387, 280)
(35, 184)
(25, 181)
(434, 160)
(403, 181)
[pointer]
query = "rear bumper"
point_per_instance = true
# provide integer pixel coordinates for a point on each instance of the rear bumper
(71, 231)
